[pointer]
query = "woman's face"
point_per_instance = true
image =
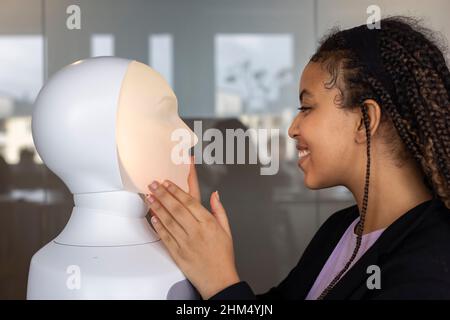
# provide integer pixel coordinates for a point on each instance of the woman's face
(326, 131)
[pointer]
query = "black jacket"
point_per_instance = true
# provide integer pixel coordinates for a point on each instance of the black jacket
(413, 255)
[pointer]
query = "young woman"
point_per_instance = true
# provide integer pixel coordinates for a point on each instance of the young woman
(375, 118)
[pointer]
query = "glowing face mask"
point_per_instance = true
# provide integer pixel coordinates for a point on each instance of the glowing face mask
(105, 124)
(147, 116)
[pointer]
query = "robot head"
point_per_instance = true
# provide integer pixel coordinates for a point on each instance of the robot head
(106, 124)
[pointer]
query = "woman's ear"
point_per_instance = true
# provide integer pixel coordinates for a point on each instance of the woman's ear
(374, 115)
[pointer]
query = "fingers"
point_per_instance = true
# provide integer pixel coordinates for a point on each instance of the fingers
(194, 189)
(219, 212)
(172, 206)
(188, 201)
(173, 229)
(166, 237)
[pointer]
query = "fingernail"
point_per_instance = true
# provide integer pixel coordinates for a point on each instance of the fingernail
(166, 184)
(151, 199)
(154, 220)
(154, 185)
(217, 194)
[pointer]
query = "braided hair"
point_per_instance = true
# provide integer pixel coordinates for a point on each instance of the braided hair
(416, 115)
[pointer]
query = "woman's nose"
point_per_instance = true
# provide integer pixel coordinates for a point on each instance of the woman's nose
(293, 129)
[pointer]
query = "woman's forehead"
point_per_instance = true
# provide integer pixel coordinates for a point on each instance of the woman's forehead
(313, 80)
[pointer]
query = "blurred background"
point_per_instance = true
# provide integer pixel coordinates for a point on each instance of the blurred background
(232, 64)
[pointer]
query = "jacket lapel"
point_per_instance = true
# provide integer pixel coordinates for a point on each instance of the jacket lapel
(356, 277)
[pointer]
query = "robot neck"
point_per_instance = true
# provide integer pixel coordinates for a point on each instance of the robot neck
(118, 203)
(115, 218)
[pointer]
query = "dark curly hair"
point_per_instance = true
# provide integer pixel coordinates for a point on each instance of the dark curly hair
(415, 117)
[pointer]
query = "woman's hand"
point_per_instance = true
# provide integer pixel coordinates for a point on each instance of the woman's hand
(199, 242)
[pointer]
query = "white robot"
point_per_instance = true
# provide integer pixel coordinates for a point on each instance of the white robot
(104, 125)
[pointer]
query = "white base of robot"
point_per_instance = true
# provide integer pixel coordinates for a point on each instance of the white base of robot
(143, 271)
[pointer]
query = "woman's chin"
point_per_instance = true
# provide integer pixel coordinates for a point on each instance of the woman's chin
(310, 183)
(308, 175)
(310, 186)
(307, 181)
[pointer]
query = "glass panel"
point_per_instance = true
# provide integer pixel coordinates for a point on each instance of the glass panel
(21, 62)
(248, 78)
(233, 65)
(161, 56)
(22, 175)
(102, 45)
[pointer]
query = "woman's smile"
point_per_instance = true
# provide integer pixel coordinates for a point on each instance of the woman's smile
(303, 154)
(302, 159)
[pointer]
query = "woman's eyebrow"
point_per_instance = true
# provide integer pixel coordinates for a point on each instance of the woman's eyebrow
(305, 92)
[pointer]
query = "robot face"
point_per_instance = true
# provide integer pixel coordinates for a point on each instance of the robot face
(106, 123)
(147, 116)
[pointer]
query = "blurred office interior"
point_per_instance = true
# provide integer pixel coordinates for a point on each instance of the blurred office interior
(232, 64)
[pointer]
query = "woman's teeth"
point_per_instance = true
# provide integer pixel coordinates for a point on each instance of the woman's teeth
(303, 153)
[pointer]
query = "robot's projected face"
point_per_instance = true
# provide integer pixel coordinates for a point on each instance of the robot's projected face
(147, 116)
(105, 124)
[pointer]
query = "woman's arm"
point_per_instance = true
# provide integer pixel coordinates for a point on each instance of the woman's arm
(242, 291)
(237, 291)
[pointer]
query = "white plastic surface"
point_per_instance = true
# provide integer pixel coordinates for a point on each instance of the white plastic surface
(103, 126)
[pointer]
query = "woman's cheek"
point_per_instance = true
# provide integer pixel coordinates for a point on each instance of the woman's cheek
(326, 164)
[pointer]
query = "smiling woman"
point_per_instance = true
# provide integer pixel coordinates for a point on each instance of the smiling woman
(374, 113)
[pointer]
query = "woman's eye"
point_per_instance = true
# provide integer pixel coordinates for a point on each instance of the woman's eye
(303, 108)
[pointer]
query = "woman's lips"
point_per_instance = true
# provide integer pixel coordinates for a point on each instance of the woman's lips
(303, 153)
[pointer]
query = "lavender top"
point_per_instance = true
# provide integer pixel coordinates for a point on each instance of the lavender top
(339, 257)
